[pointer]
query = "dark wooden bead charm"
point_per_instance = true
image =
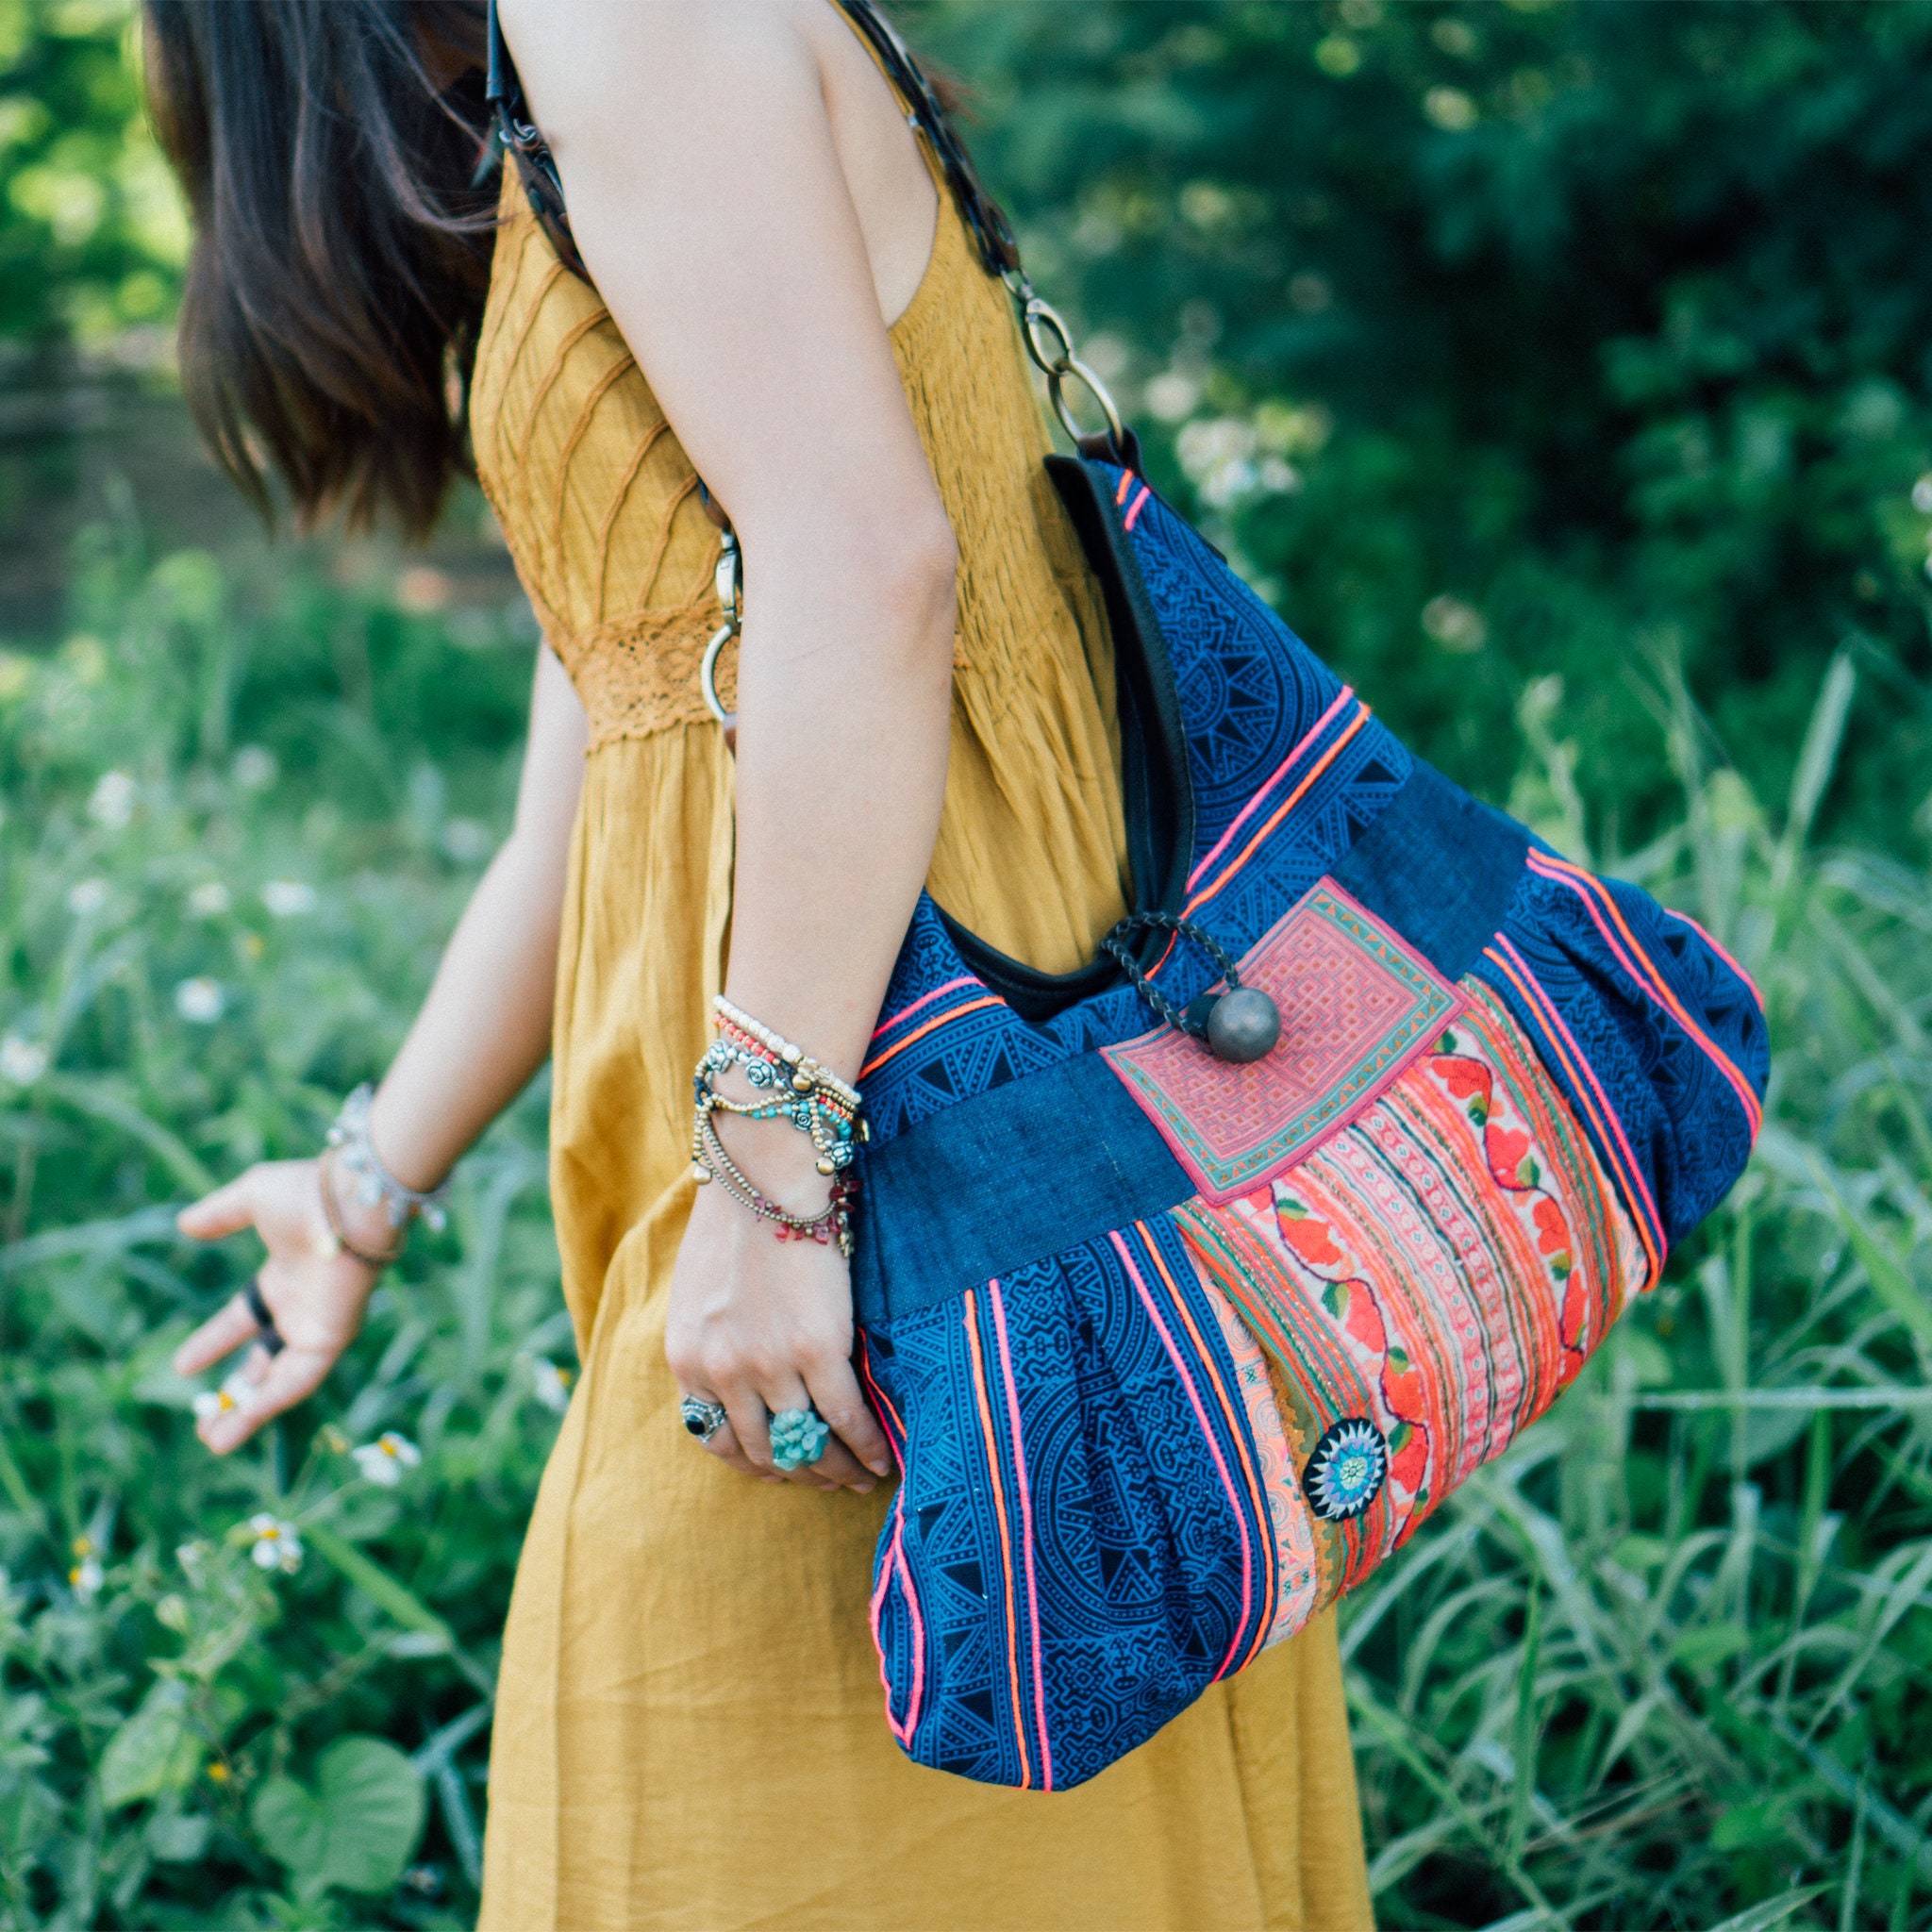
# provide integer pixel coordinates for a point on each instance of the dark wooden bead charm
(1244, 1026)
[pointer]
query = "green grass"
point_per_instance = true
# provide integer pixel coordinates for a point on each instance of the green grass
(1664, 1665)
(1666, 1661)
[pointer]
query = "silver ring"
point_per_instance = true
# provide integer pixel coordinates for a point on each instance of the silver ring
(707, 675)
(701, 1418)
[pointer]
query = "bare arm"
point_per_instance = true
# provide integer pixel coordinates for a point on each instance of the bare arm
(481, 1033)
(454, 1076)
(711, 152)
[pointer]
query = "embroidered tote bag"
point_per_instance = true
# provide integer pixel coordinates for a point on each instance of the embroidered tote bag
(1175, 1348)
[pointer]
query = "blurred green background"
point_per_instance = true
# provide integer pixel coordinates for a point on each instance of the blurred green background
(1563, 372)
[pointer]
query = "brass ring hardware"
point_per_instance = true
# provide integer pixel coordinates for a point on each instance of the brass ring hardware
(1050, 343)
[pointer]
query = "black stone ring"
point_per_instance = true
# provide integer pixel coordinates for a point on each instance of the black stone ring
(270, 1337)
(701, 1418)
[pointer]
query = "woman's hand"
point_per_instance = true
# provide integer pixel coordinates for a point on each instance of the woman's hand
(316, 1292)
(763, 1326)
(756, 291)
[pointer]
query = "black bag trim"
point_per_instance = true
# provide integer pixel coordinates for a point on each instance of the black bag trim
(1156, 782)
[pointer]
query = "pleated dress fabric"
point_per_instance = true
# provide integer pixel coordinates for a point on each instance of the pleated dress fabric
(689, 1725)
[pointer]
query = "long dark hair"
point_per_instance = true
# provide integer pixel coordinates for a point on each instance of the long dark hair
(343, 230)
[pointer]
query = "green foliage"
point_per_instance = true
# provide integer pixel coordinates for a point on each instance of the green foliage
(93, 235)
(224, 874)
(1511, 341)
(356, 1829)
(1561, 371)
(1664, 1661)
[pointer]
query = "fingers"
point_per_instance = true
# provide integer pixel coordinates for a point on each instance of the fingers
(791, 1393)
(837, 1396)
(723, 1443)
(745, 1441)
(221, 1335)
(226, 1211)
(274, 1383)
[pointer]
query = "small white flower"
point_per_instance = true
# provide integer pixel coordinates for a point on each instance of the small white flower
(277, 1544)
(552, 1384)
(200, 1001)
(255, 768)
(86, 1575)
(1451, 109)
(1226, 481)
(1207, 443)
(234, 1394)
(384, 1461)
(22, 1061)
(87, 895)
(112, 802)
(288, 898)
(209, 899)
(1280, 478)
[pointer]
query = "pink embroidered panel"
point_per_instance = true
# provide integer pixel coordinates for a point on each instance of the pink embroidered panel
(1357, 1005)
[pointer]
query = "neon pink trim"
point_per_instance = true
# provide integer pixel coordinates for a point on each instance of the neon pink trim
(1532, 989)
(919, 1032)
(896, 1560)
(999, 1323)
(1648, 978)
(895, 1563)
(1207, 1435)
(1593, 891)
(1718, 947)
(1281, 810)
(911, 1597)
(1280, 772)
(1139, 503)
(999, 1505)
(885, 1026)
(1271, 1580)
(884, 1401)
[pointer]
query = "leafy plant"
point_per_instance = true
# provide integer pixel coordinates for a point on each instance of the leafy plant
(1664, 1661)
(1505, 339)
(356, 1829)
(228, 1691)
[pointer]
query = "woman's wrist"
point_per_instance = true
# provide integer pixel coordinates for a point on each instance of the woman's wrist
(360, 1229)
(401, 1152)
(369, 1208)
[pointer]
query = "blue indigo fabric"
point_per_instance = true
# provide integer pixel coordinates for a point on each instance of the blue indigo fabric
(1074, 1552)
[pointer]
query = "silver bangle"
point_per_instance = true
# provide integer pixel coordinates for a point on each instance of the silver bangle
(374, 1185)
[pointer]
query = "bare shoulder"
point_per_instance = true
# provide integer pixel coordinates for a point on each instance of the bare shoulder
(581, 59)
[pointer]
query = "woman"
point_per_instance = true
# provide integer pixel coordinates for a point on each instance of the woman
(778, 295)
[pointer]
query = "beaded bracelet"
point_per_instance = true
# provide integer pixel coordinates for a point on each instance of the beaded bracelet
(813, 1098)
(338, 1233)
(833, 1223)
(806, 1072)
(821, 1115)
(350, 1143)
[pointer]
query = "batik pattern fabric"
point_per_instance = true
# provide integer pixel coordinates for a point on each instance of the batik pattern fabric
(1174, 1352)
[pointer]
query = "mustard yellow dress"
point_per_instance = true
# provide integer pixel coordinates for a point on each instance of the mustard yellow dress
(688, 1727)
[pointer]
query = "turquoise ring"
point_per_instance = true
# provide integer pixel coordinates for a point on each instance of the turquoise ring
(798, 1436)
